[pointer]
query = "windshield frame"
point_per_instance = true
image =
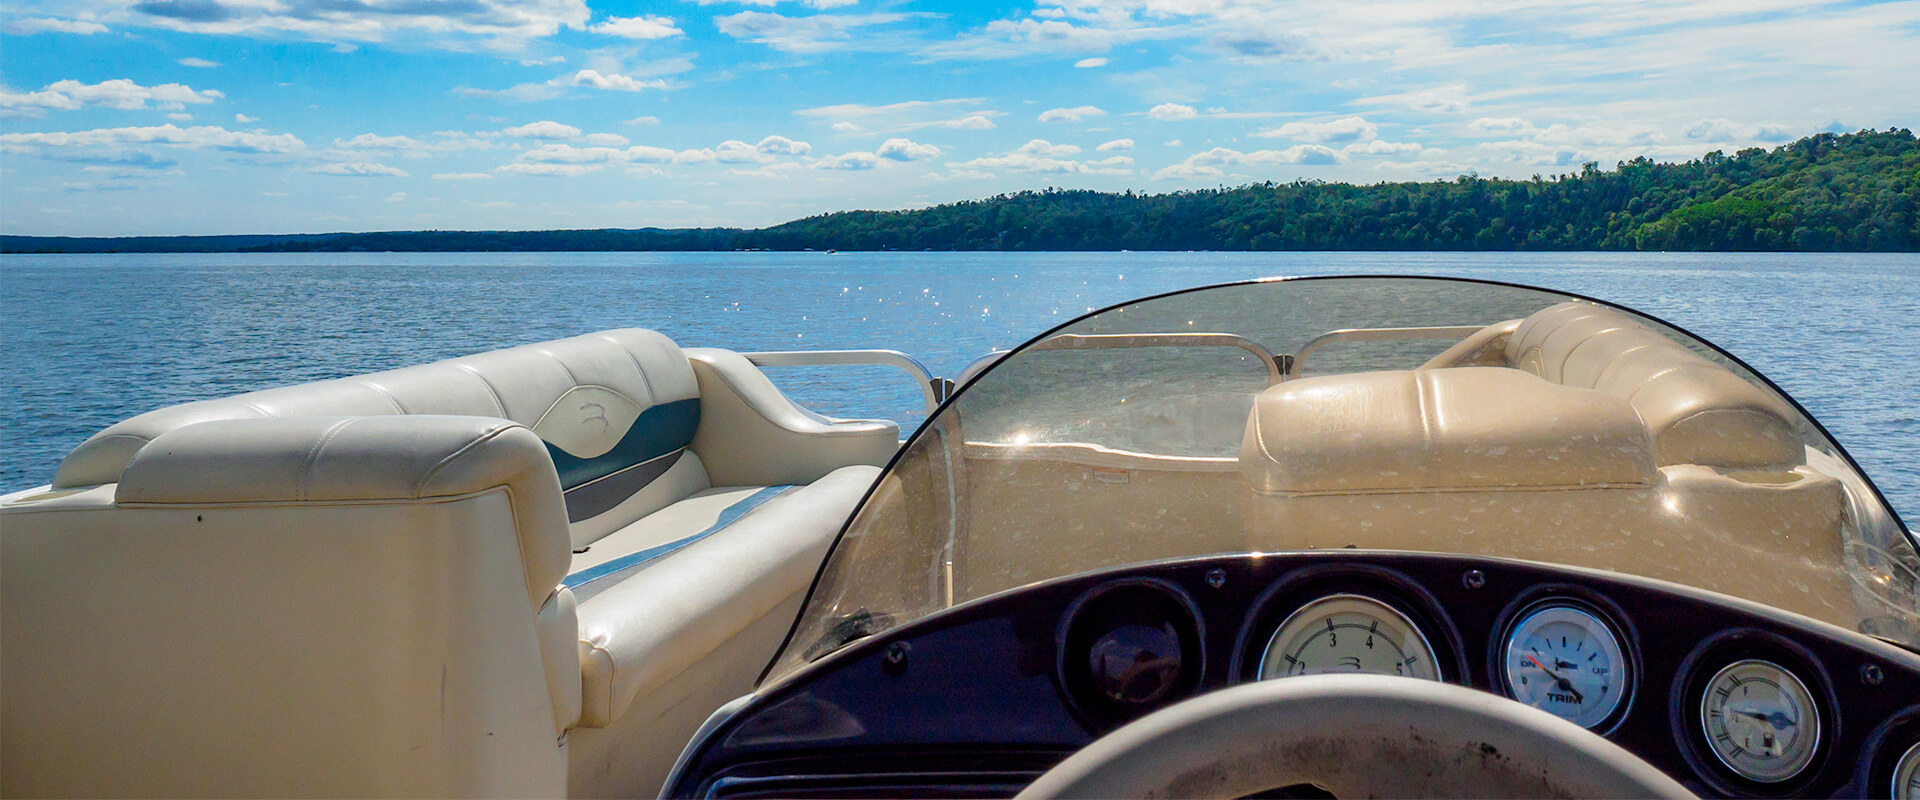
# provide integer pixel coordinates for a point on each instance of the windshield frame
(1001, 358)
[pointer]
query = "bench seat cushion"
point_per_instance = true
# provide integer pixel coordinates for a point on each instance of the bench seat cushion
(703, 570)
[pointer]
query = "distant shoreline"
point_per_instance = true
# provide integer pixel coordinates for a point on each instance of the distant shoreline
(1852, 193)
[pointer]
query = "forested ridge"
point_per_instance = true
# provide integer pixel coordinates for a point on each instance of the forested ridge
(1829, 192)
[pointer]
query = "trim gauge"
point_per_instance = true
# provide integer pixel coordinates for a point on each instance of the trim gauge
(1566, 660)
(1906, 775)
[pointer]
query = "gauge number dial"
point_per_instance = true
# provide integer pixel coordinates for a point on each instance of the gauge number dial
(1567, 661)
(1760, 720)
(1348, 633)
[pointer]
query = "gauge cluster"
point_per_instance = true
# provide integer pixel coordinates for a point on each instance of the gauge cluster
(1730, 699)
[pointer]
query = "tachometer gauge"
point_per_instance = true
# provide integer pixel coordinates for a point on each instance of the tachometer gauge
(1565, 660)
(1348, 633)
(1906, 775)
(1760, 720)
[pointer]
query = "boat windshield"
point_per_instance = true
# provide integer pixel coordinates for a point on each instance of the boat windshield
(1376, 413)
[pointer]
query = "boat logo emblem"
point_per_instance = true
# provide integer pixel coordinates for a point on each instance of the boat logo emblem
(600, 417)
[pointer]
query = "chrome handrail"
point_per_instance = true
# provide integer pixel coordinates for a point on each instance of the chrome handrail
(1275, 365)
(1109, 341)
(1377, 335)
(932, 389)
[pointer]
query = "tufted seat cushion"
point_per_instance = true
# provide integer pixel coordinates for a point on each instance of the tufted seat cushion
(1696, 410)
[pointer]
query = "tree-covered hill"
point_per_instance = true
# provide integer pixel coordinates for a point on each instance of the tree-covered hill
(1852, 192)
(1827, 192)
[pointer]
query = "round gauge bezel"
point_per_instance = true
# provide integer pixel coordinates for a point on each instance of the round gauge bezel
(1907, 762)
(1690, 686)
(1813, 709)
(1433, 656)
(1299, 586)
(1186, 619)
(1629, 664)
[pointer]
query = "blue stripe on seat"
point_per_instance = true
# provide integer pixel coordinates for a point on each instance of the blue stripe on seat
(728, 516)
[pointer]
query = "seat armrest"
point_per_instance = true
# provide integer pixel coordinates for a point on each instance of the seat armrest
(751, 435)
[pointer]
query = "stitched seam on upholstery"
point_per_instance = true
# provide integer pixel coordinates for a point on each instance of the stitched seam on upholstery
(498, 403)
(563, 365)
(1561, 368)
(257, 409)
(421, 485)
(389, 395)
(520, 546)
(313, 455)
(1615, 359)
(1654, 377)
(1420, 398)
(613, 673)
(653, 397)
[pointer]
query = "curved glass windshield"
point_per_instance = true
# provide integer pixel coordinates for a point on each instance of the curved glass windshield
(1384, 413)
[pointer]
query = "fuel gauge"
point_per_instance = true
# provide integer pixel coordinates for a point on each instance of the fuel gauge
(1565, 660)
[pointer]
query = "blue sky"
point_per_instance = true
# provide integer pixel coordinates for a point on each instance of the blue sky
(286, 116)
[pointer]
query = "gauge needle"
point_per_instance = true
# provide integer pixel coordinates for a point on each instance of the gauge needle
(1564, 684)
(1778, 720)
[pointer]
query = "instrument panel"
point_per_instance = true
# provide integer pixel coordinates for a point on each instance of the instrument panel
(1729, 698)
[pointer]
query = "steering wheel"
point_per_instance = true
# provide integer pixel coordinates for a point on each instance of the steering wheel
(1355, 736)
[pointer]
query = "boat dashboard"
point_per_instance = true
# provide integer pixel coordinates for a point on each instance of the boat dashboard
(1729, 698)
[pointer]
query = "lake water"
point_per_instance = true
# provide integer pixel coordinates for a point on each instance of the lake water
(93, 339)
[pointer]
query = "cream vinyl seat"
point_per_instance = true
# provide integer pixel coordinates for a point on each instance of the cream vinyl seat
(528, 571)
(1577, 423)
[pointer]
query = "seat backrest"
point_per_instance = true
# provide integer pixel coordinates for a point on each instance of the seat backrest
(1698, 411)
(616, 409)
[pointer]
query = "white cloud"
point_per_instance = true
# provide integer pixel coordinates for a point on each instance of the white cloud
(1042, 157)
(200, 137)
(1046, 149)
(544, 129)
(244, 119)
(462, 176)
(504, 21)
(1348, 129)
(645, 120)
(397, 197)
(1449, 99)
(847, 127)
(29, 27)
(357, 169)
(849, 161)
(123, 94)
(1089, 63)
(369, 141)
(198, 63)
(1209, 163)
(1726, 130)
(541, 62)
(1117, 144)
(781, 145)
(816, 33)
(638, 28)
(1379, 147)
(1074, 114)
(974, 122)
(1170, 112)
(905, 150)
(549, 170)
(606, 139)
(615, 82)
(568, 154)
(1501, 126)
(180, 117)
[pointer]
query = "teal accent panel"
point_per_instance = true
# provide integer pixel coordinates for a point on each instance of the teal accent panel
(658, 431)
